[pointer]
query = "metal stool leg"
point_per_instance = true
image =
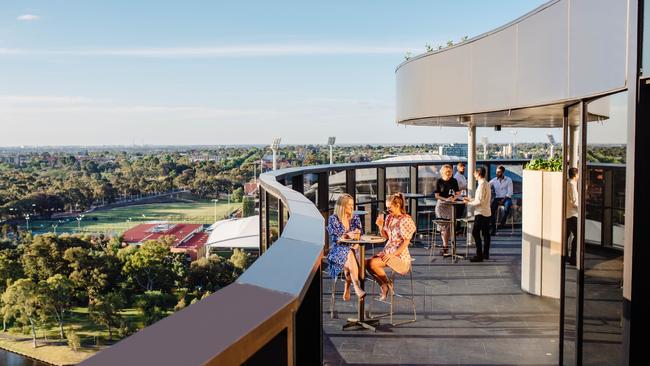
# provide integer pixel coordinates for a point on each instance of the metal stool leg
(333, 298)
(434, 242)
(411, 299)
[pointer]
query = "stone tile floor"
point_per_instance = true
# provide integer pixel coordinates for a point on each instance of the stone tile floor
(467, 314)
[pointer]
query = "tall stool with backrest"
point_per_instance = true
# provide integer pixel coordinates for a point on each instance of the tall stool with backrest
(394, 296)
(437, 224)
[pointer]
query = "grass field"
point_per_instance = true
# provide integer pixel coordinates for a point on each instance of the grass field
(53, 350)
(117, 220)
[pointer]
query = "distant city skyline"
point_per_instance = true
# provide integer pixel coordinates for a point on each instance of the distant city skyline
(207, 73)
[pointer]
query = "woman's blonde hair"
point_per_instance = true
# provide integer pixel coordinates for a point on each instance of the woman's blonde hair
(398, 198)
(339, 207)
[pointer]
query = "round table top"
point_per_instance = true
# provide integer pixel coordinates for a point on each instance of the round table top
(456, 202)
(412, 195)
(365, 239)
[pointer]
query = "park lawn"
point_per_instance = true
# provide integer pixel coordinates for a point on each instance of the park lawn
(93, 337)
(117, 220)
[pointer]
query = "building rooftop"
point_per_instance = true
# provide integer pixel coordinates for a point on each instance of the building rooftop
(153, 231)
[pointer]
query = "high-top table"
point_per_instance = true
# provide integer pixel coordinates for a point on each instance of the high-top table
(454, 204)
(361, 321)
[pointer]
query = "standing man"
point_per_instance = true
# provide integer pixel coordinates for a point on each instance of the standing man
(482, 213)
(503, 190)
(460, 176)
(572, 206)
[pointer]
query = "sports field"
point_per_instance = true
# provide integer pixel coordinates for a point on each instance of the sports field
(117, 220)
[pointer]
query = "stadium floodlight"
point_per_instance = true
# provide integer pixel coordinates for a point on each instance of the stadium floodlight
(514, 142)
(331, 141)
(551, 138)
(274, 146)
(551, 141)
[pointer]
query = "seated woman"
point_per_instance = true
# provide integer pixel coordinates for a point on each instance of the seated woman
(446, 190)
(344, 225)
(398, 228)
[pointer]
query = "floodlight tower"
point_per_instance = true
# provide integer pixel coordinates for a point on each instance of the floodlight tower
(331, 142)
(514, 142)
(551, 141)
(484, 142)
(274, 147)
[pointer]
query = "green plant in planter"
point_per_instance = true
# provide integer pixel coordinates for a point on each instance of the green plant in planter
(551, 165)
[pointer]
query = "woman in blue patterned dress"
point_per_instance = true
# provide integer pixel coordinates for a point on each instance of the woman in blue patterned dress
(344, 225)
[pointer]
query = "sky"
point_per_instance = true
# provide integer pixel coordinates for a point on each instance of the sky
(80, 72)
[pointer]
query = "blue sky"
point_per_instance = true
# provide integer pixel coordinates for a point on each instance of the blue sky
(79, 72)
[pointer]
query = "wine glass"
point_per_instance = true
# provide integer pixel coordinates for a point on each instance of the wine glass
(451, 193)
(463, 193)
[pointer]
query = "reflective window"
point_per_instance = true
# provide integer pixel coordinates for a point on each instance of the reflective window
(397, 180)
(310, 186)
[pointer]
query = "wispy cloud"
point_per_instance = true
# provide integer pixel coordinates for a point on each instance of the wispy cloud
(245, 50)
(47, 105)
(28, 17)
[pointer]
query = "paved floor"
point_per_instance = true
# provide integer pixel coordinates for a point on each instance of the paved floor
(467, 314)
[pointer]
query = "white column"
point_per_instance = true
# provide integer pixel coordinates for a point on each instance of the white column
(471, 159)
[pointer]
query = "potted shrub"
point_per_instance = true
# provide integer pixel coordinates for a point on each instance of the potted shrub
(542, 220)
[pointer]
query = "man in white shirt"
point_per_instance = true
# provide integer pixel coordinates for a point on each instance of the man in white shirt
(482, 214)
(503, 190)
(460, 176)
(572, 207)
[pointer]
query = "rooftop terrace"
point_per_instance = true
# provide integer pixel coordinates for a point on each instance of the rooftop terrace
(467, 314)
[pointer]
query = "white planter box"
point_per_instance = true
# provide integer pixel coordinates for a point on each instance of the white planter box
(541, 242)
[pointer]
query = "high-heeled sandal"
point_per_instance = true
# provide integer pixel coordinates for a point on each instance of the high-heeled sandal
(383, 294)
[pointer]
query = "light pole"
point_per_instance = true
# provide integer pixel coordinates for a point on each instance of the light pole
(484, 142)
(514, 142)
(215, 208)
(27, 220)
(79, 218)
(331, 141)
(551, 141)
(274, 148)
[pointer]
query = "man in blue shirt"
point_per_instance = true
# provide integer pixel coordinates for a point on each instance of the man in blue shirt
(503, 197)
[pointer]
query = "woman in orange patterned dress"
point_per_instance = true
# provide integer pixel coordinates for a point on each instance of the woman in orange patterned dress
(398, 228)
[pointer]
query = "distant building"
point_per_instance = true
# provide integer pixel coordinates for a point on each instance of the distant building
(507, 151)
(230, 234)
(453, 150)
(250, 188)
(190, 238)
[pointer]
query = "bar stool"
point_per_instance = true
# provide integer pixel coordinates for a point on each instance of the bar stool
(428, 230)
(437, 223)
(468, 237)
(333, 297)
(394, 296)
